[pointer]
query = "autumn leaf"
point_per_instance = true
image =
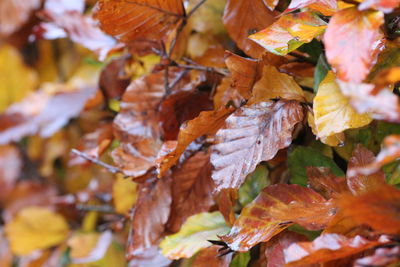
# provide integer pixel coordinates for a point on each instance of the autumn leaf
(326, 7)
(257, 223)
(381, 257)
(332, 111)
(289, 32)
(385, 6)
(351, 58)
(252, 134)
(35, 228)
(124, 193)
(192, 189)
(327, 247)
(10, 169)
(208, 122)
(149, 19)
(194, 235)
(324, 182)
(276, 85)
(254, 16)
(17, 78)
(377, 208)
(253, 185)
(209, 257)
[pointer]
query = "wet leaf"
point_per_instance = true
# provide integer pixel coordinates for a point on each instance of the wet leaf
(289, 32)
(326, 7)
(332, 111)
(208, 257)
(257, 223)
(254, 16)
(327, 247)
(35, 228)
(194, 235)
(252, 134)
(148, 19)
(324, 182)
(352, 59)
(302, 157)
(381, 257)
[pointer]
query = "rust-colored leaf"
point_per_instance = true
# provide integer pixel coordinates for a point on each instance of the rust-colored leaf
(226, 200)
(326, 7)
(208, 122)
(289, 32)
(113, 80)
(151, 214)
(209, 257)
(381, 257)
(253, 16)
(257, 223)
(377, 208)
(327, 247)
(351, 58)
(252, 134)
(359, 183)
(148, 19)
(192, 189)
(13, 14)
(322, 180)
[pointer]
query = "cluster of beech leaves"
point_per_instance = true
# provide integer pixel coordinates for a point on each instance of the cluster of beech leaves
(226, 133)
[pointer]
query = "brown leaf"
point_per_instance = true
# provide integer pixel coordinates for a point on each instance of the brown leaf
(208, 122)
(253, 16)
(366, 98)
(13, 14)
(327, 247)
(252, 134)
(323, 181)
(113, 80)
(381, 257)
(209, 257)
(192, 189)
(151, 214)
(275, 247)
(351, 58)
(377, 208)
(148, 19)
(256, 222)
(385, 6)
(42, 112)
(363, 183)
(326, 7)
(226, 200)
(389, 153)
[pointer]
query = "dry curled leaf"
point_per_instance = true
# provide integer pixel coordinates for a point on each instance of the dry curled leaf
(252, 134)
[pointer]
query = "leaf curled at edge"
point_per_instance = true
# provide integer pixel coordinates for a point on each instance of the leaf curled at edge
(252, 134)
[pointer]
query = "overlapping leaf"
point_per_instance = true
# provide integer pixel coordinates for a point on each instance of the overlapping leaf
(252, 134)
(351, 57)
(326, 7)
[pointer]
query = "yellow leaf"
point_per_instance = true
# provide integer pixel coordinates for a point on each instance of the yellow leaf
(35, 228)
(275, 84)
(193, 235)
(332, 111)
(17, 79)
(124, 194)
(332, 140)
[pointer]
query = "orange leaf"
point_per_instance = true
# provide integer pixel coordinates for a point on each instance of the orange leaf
(351, 42)
(209, 257)
(378, 208)
(257, 224)
(148, 19)
(383, 5)
(253, 16)
(323, 181)
(327, 247)
(252, 134)
(326, 7)
(381, 257)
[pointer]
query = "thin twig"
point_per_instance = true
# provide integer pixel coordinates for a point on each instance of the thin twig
(98, 208)
(108, 167)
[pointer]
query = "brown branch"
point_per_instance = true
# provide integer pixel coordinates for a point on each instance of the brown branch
(108, 167)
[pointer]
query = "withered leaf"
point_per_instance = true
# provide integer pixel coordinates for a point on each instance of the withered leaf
(209, 257)
(253, 16)
(257, 223)
(327, 247)
(151, 214)
(148, 19)
(192, 189)
(208, 122)
(377, 208)
(113, 80)
(322, 180)
(252, 134)
(42, 112)
(359, 183)
(351, 58)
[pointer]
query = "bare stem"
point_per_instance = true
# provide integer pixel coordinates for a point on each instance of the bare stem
(108, 167)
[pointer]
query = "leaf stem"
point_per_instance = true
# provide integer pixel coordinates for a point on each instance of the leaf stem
(108, 167)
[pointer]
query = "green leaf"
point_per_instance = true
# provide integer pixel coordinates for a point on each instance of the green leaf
(384, 129)
(253, 185)
(313, 49)
(240, 260)
(302, 157)
(311, 235)
(321, 70)
(194, 235)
